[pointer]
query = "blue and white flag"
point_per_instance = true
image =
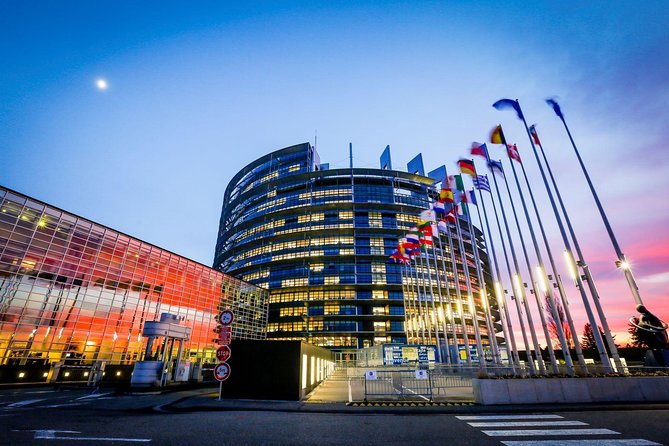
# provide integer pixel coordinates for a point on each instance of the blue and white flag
(482, 183)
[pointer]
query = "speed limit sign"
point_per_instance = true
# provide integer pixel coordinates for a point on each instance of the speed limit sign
(222, 371)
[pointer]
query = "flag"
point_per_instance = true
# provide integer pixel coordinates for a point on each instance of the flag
(446, 195)
(481, 183)
(427, 215)
(504, 104)
(471, 198)
(479, 150)
(513, 152)
(452, 215)
(439, 208)
(441, 225)
(556, 108)
(497, 135)
(467, 166)
(535, 137)
(496, 167)
(413, 238)
(459, 185)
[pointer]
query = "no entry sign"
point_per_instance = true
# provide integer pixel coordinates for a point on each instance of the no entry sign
(223, 353)
(222, 372)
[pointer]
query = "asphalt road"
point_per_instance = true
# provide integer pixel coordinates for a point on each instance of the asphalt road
(39, 417)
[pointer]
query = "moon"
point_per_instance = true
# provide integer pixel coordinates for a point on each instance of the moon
(101, 84)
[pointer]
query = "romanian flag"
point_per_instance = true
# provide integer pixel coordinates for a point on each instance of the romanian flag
(446, 195)
(535, 137)
(513, 153)
(497, 135)
(467, 166)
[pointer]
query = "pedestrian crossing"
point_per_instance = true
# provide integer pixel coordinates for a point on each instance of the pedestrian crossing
(546, 425)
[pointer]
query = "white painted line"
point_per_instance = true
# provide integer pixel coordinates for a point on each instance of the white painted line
(39, 391)
(24, 403)
(48, 434)
(95, 395)
(538, 432)
(625, 442)
(53, 406)
(507, 417)
(526, 423)
(136, 440)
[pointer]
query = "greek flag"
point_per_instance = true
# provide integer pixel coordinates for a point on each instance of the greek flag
(481, 183)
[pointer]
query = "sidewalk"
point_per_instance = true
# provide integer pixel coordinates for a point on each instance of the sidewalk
(208, 401)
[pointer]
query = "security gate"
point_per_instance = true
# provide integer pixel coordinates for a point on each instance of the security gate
(398, 385)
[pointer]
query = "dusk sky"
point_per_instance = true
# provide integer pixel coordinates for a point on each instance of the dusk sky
(197, 90)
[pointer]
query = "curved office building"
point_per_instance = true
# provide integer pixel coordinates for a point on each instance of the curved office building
(320, 241)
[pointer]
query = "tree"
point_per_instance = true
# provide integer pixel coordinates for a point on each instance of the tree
(552, 324)
(588, 342)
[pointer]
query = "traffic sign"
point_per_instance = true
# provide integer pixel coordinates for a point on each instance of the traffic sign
(223, 353)
(222, 371)
(371, 374)
(225, 335)
(226, 317)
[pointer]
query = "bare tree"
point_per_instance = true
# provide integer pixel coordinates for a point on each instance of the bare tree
(553, 324)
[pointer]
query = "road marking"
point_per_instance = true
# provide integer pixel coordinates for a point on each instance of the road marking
(95, 395)
(507, 417)
(627, 442)
(531, 432)
(527, 423)
(48, 434)
(24, 403)
(54, 406)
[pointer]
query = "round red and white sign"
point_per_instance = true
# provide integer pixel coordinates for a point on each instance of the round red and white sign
(223, 353)
(226, 317)
(222, 371)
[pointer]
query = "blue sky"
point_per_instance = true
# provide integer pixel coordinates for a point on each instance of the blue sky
(199, 90)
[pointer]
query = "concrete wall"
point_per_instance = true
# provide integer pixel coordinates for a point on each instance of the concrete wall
(571, 390)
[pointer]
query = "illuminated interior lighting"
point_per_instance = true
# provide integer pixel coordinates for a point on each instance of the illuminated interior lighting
(85, 373)
(66, 374)
(22, 374)
(45, 374)
(118, 373)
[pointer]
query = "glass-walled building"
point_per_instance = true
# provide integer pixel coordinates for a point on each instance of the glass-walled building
(74, 291)
(320, 239)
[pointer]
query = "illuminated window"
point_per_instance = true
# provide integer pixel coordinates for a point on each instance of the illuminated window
(379, 310)
(379, 294)
(294, 168)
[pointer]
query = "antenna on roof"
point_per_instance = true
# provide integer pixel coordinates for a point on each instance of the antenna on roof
(350, 154)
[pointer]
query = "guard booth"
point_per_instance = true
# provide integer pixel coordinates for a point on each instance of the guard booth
(160, 364)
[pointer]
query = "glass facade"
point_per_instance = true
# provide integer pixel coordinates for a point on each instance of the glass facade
(76, 292)
(319, 241)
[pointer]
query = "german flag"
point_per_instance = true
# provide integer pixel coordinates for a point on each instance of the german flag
(497, 136)
(467, 166)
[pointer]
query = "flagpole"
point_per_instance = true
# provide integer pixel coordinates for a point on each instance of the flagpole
(622, 262)
(417, 304)
(606, 363)
(450, 301)
(549, 294)
(441, 299)
(463, 322)
(407, 324)
(501, 301)
(470, 294)
(579, 253)
(521, 290)
(520, 284)
(414, 297)
(492, 338)
(570, 365)
(433, 319)
(424, 307)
